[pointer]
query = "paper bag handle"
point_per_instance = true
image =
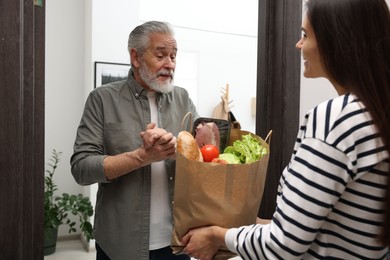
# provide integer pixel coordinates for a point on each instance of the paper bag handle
(267, 139)
(184, 119)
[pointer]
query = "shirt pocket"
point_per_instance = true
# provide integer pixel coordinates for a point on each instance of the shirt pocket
(121, 137)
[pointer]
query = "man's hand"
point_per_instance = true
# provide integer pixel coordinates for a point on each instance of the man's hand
(151, 134)
(158, 143)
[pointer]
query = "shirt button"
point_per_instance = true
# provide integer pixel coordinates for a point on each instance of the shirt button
(170, 178)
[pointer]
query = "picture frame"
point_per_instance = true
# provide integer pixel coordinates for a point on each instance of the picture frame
(106, 72)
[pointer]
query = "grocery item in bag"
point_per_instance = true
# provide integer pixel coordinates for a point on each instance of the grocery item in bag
(226, 195)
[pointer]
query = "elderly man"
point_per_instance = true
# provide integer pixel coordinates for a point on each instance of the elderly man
(126, 143)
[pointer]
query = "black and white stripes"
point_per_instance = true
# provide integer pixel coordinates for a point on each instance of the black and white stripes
(330, 196)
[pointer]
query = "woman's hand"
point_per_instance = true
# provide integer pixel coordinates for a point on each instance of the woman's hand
(203, 243)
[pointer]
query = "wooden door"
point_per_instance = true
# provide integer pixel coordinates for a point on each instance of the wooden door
(278, 87)
(22, 50)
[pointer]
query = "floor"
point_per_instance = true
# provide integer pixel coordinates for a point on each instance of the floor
(71, 249)
(74, 249)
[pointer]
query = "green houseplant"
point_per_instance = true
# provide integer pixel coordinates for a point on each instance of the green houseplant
(58, 208)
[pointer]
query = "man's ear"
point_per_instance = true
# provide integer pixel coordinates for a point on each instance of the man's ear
(134, 58)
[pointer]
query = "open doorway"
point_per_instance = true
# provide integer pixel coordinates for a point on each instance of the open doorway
(22, 94)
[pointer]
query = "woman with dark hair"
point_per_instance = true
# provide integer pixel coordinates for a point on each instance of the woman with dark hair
(334, 195)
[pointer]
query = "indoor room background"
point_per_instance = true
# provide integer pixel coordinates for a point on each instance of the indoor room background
(217, 42)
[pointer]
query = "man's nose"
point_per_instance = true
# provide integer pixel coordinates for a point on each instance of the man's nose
(169, 63)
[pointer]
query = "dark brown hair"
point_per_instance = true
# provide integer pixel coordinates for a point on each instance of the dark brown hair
(353, 38)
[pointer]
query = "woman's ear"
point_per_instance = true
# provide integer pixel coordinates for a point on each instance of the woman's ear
(134, 58)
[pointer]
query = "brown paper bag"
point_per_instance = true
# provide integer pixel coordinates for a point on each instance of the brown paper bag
(227, 195)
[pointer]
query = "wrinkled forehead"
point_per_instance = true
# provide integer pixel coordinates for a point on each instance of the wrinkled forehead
(159, 41)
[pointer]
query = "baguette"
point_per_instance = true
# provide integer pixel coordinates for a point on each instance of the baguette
(187, 146)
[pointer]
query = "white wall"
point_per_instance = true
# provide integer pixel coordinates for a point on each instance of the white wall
(219, 48)
(64, 85)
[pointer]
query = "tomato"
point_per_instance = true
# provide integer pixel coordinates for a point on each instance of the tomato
(209, 152)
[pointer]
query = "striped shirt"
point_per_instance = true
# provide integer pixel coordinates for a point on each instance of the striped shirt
(330, 201)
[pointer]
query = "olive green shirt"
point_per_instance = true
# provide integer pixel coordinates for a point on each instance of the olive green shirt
(114, 115)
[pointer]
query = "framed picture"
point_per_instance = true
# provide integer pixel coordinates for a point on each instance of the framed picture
(106, 72)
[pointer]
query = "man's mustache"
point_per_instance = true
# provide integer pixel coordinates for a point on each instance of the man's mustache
(169, 73)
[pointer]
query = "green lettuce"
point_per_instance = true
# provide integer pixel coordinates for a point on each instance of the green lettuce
(247, 150)
(229, 158)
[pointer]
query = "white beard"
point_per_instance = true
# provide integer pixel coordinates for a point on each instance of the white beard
(150, 79)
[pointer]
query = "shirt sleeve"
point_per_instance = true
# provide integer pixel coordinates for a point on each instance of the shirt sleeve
(87, 159)
(230, 240)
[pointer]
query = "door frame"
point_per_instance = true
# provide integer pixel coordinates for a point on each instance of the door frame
(22, 52)
(278, 87)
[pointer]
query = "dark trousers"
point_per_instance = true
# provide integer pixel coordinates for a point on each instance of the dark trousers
(100, 255)
(165, 253)
(158, 254)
